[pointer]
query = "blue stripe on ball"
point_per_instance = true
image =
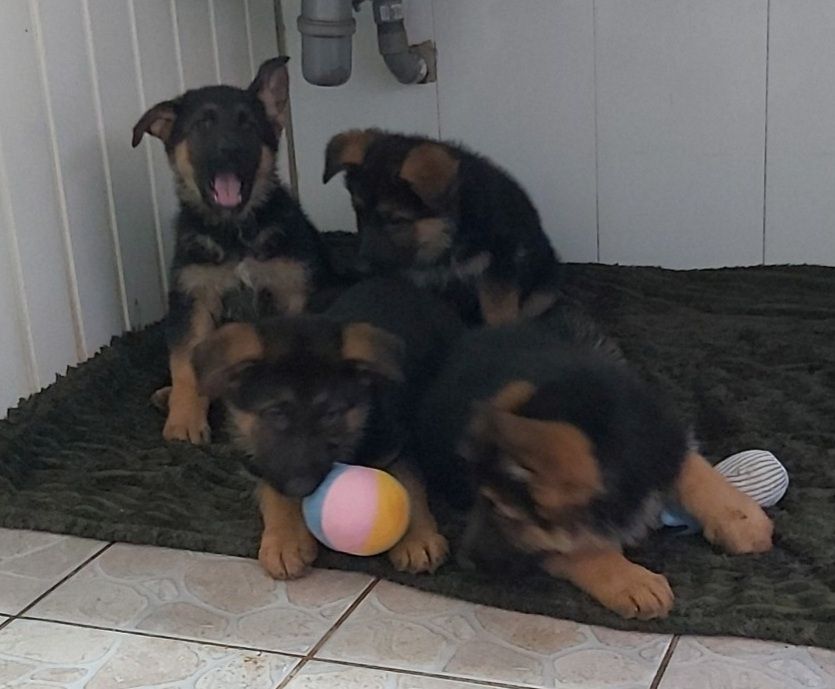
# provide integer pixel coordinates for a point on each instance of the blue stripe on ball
(313, 505)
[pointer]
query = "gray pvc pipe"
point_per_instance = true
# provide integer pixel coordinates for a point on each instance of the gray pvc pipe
(326, 27)
(393, 43)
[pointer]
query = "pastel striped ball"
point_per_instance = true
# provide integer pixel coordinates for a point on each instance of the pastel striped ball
(758, 474)
(357, 510)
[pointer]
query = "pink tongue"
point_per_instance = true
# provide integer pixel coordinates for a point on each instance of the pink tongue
(227, 190)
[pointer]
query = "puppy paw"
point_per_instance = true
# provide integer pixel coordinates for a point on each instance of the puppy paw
(741, 528)
(160, 398)
(638, 594)
(287, 556)
(188, 425)
(419, 552)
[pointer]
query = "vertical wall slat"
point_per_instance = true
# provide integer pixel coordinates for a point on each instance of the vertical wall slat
(18, 372)
(196, 43)
(33, 207)
(121, 108)
(157, 51)
(233, 49)
(82, 181)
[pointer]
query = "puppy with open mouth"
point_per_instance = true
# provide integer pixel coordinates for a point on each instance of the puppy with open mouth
(244, 247)
(309, 391)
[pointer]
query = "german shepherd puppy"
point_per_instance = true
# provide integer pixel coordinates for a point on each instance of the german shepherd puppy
(308, 391)
(244, 246)
(571, 456)
(449, 219)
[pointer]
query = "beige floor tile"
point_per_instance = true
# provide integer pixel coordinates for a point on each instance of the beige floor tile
(42, 655)
(202, 597)
(733, 663)
(318, 675)
(400, 628)
(31, 562)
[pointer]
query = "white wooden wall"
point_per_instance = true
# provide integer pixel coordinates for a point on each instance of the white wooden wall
(681, 133)
(85, 220)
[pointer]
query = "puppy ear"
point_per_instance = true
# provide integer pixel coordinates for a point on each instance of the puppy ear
(373, 348)
(432, 172)
(272, 87)
(346, 149)
(219, 359)
(158, 122)
(556, 458)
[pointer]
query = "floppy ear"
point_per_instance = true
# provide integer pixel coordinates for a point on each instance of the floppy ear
(431, 170)
(223, 355)
(346, 149)
(557, 458)
(272, 87)
(373, 348)
(158, 122)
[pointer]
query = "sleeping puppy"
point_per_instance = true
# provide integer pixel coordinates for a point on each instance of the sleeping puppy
(571, 456)
(448, 219)
(306, 392)
(244, 247)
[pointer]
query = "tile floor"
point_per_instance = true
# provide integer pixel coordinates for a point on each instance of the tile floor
(76, 613)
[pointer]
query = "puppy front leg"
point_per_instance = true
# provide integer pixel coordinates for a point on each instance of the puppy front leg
(287, 546)
(730, 519)
(187, 408)
(422, 549)
(622, 586)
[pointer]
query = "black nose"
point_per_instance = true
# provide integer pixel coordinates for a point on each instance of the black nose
(300, 486)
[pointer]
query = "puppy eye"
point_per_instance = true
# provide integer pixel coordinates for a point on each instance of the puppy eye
(207, 121)
(244, 120)
(332, 416)
(277, 417)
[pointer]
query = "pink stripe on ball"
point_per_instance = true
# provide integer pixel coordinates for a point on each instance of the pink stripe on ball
(347, 519)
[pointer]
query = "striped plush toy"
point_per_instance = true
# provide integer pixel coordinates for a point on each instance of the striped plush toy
(757, 473)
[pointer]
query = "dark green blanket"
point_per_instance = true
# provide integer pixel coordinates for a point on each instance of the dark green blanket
(748, 352)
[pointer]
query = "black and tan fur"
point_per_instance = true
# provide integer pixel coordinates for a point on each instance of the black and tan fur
(308, 391)
(449, 219)
(244, 247)
(571, 456)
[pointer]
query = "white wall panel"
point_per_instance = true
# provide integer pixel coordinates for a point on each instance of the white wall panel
(517, 84)
(83, 180)
(196, 42)
(800, 195)
(160, 72)
(233, 46)
(372, 98)
(17, 359)
(118, 73)
(681, 131)
(33, 211)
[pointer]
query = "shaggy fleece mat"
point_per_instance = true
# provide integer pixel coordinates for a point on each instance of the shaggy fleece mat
(748, 353)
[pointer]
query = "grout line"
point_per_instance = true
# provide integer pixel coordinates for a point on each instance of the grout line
(250, 47)
(665, 661)
(5, 623)
(166, 637)
(765, 137)
(429, 675)
(149, 154)
(596, 128)
(293, 673)
(215, 47)
(344, 616)
(60, 188)
(66, 578)
(22, 310)
(178, 46)
(108, 177)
